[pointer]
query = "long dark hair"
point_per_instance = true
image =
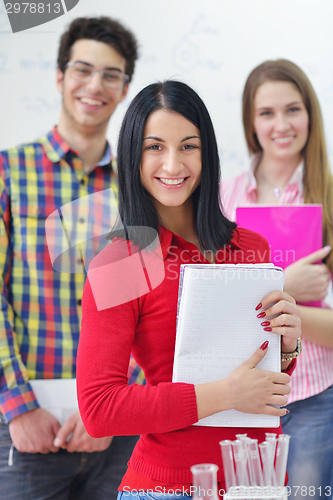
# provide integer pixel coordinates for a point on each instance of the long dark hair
(135, 206)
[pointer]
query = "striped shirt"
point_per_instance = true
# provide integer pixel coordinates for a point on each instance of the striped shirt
(43, 185)
(314, 368)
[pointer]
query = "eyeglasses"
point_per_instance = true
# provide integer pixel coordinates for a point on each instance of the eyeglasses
(111, 78)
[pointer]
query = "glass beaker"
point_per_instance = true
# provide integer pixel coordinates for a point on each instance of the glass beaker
(205, 482)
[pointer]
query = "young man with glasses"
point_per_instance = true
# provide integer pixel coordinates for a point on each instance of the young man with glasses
(40, 309)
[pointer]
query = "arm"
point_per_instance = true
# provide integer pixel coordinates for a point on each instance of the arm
(317, 325)
(109, 407)
(246, 389)
(307, 281)
(31, 428)
(16, 395)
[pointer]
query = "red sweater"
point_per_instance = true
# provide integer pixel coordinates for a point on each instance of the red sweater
(162, 412)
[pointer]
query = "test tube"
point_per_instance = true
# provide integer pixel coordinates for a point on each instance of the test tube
(254, 460)
(281, 459)
(248, 464)
(265, 454)
(228, 464)
(271, 438)
(241, 436)
(242, 478)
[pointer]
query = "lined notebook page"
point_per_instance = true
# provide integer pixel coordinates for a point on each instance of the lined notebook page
(217, 329)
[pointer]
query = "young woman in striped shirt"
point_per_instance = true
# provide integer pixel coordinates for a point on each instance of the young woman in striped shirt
(289, 165)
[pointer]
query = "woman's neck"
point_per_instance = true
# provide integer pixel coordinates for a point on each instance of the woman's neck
(272, 177)
(180, 221)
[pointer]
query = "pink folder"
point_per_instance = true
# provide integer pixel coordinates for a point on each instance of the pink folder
(292, 231)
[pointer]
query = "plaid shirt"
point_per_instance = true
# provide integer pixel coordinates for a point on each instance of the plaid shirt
(40, 301)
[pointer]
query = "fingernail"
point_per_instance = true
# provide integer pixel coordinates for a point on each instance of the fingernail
(261, 315)
(328, 247)
(259, 306)
(265, 323)
(287, 411)
(56, 442)
(264, 346)
(268, 329)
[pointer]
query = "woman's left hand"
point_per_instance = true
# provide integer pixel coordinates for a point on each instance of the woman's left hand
(279, 314)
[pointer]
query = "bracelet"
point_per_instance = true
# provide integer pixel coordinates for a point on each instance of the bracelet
(288, 356)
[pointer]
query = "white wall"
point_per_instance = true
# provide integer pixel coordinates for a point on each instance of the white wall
(212, 45)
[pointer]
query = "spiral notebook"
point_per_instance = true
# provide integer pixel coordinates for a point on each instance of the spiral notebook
(217, 329)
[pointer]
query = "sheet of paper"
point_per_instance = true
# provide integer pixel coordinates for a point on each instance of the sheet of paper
(58, 396)
(217, 329)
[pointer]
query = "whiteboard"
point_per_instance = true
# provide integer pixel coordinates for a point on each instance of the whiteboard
(212, 45)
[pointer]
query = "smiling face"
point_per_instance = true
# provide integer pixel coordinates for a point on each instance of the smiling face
(87, 107)
(171, 159)
(281, 120)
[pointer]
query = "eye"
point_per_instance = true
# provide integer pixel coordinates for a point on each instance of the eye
(190, 146)
(265, 113)
(154, 147)
(114, 77)
(82, 70)
(294, 109)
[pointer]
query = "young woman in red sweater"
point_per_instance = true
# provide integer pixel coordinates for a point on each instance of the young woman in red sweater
(169, 175)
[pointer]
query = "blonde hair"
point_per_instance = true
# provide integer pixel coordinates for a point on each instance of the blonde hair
(317, 177)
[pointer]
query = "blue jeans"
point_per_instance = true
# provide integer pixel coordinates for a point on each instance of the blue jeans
(151, 495)
(310, 460)
(63, 475)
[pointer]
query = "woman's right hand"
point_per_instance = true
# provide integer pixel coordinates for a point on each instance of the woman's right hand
(307, 281)
(255, 391)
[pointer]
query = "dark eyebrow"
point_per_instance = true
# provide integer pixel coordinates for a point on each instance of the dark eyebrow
(91, 66)
(190, 137)
(153, 138)
(161, 140)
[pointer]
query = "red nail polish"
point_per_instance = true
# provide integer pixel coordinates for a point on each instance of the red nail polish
(264, 346)
(261, 315)
(265, 323)
(259, 306)
(287, 411)
(268, 329)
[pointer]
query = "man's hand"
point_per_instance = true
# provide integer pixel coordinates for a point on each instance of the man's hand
(307, 281)
(34, 431)
(72, 436)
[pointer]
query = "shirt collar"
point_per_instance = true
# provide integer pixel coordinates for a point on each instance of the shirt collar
(56, 148)
(168, 238)
(295, 182)
(296, 179)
